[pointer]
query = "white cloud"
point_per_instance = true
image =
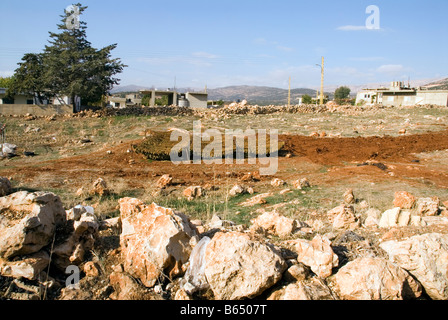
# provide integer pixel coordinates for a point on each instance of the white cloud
(352, 28)
(357, 28)
(285, 49)
(204, 55)
(265, 42)
(393, 69)
(260, 41)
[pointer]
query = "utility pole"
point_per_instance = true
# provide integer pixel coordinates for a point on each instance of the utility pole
(289, 92)
(321, 81)
(322, 84)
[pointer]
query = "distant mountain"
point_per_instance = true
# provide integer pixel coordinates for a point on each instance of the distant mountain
(437, 85)
(277, 96)
(258, 95)
(129, 88)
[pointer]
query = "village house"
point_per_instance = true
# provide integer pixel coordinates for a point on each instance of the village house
(400, 95)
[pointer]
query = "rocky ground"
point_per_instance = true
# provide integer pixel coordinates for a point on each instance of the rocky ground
(344, 218)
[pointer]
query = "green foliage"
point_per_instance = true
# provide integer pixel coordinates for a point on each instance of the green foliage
(69, 66)
(6, 82)
(306, 99)
(146, 100)
(342, 93)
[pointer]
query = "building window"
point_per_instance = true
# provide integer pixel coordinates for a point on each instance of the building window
(8, 100)
(29, 101)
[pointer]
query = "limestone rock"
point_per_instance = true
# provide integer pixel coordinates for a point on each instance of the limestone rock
(301, 183)
(82, 239)
(154, 240)
(28, 267)
(126, 288)
(348, 197)
(274, 223)
(99, 188)
(277, 182)
(343, 217)
(238, 267)
(375, 279)
(193, 192)
(317, 254)
(398, 218)
(237, 190)
(404, 200)
(428, 206)
(313, 289)
(258, 199)
(426, 258)
(5, 187)
(164, 181)
(28, 222)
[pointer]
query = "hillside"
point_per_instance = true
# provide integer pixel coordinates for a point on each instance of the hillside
(438, 85)
(258, 95)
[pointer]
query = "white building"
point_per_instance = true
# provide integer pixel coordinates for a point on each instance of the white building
(400, 95)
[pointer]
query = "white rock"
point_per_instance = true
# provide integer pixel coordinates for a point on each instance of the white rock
(426, 258)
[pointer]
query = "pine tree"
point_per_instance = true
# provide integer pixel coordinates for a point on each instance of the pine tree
(29, 79)
(74, 67)
(70, 66)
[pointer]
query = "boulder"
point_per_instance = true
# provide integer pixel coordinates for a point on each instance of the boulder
(348, 197)
(237, 190)
(398, 218)
(301, 183)
(373, 216)
(277, 182)
(313, 289)
(343, 217)
(5, 187)
(426, 258)
(404, 200)
(99, 188)
(428, 206)
(28, 222)
(317, 254)
(154, 240)
(28, 267)
(164, 181)
(258, 199)
(274, 223)
(126, 287)
(193, 192)
(238, 267)
(72, 249)
(375, 279)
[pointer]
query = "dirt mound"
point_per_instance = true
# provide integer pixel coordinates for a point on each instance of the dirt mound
(333, 151)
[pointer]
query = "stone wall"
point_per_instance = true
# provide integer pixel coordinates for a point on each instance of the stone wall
(23, 109)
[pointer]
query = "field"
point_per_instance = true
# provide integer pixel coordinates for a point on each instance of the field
(73, 152)
(375, 152)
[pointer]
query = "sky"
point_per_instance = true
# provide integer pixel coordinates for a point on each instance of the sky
(211, 43)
